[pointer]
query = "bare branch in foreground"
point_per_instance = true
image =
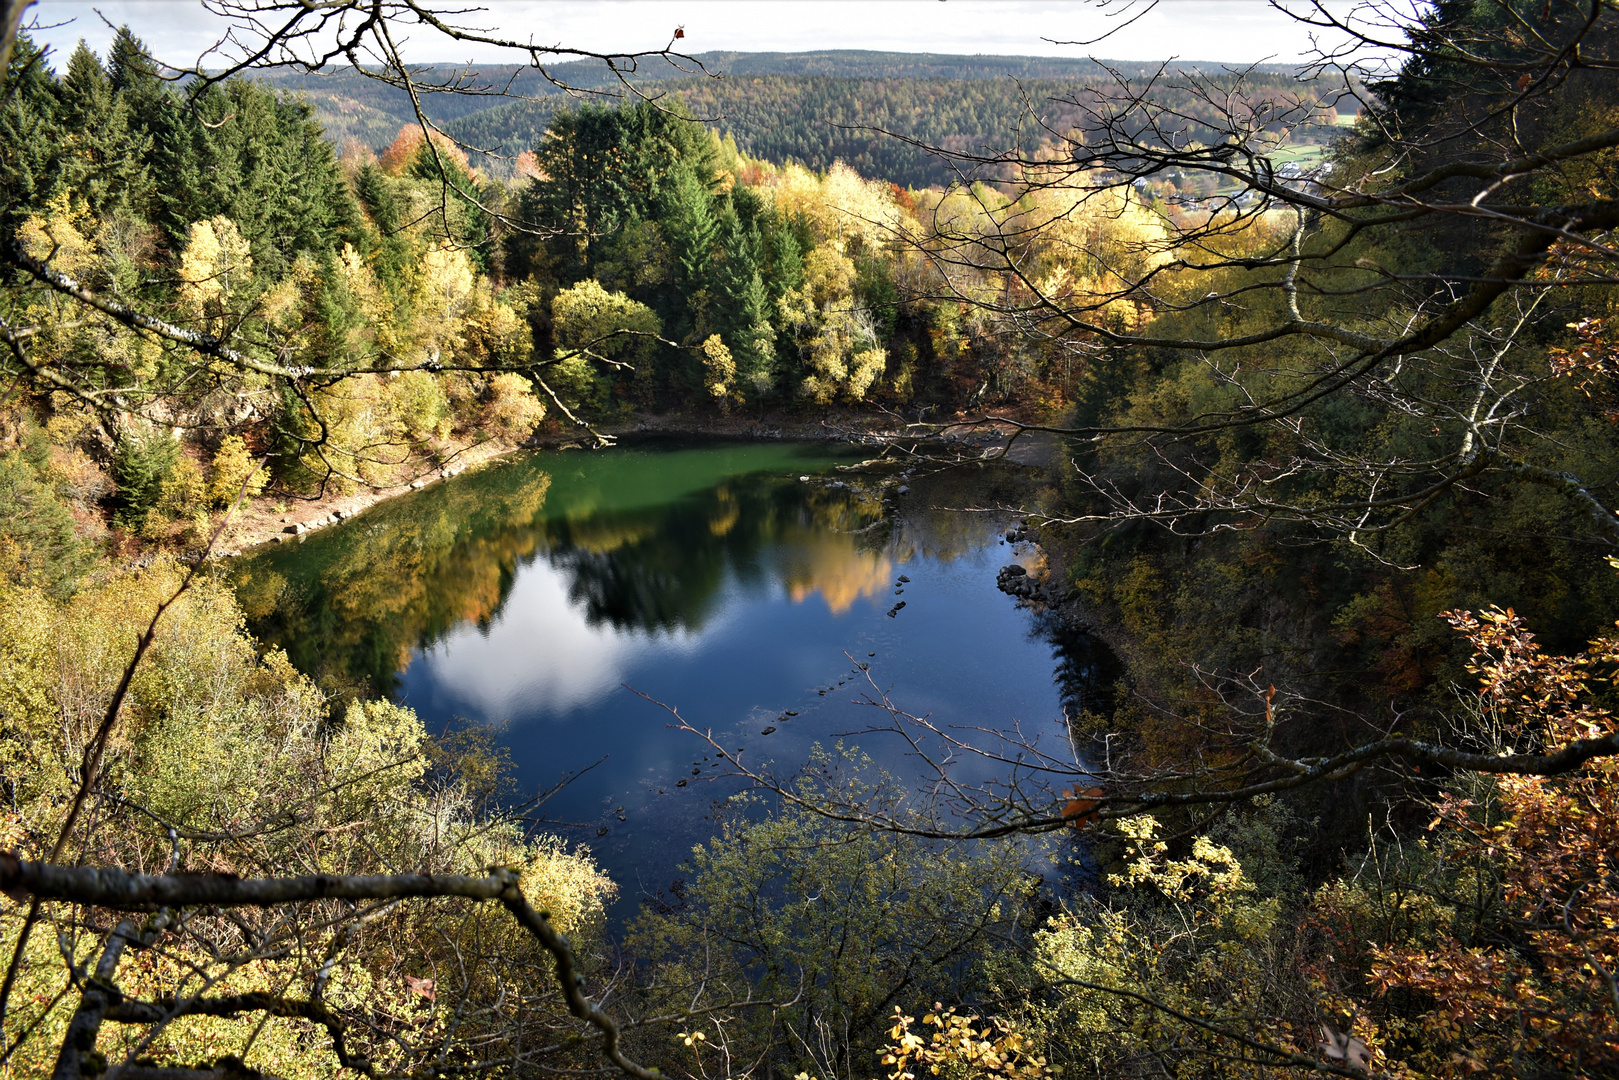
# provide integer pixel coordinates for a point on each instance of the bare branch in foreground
(1029, 802)
(115, 889)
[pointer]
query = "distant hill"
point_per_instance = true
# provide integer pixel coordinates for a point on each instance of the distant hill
(806, 107)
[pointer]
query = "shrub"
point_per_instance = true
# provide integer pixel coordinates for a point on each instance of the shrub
(235, 472)
(141, 461)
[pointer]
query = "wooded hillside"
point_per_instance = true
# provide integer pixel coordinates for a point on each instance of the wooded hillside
(812, 109)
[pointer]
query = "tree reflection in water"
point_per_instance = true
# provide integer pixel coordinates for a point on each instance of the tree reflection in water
(647, 537)
(713, 577)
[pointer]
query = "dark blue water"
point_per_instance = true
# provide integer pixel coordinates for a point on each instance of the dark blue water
(542, 594)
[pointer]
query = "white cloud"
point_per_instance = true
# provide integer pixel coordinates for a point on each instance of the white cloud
(1229, 30)
(541, 655)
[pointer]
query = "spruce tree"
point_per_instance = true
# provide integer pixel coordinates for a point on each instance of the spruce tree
(30, 135)
(104, 157)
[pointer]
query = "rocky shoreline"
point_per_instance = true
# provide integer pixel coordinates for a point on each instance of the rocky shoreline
(269, 521)
(1038, 579)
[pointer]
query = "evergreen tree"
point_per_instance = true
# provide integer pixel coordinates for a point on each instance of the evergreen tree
(105, 153)
(86, 94)
(688, 220)
(604, 170)
(786, 259)
(134, 77)
(130, 68)
(30, 135)
(263, 163)
(462, 222)
(386, 248)
(741, 302)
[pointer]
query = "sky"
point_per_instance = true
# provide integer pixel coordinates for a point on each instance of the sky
(1237, 31)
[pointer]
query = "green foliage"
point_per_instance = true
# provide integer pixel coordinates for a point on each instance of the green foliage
(39, 544)
(605, 170)
(238, 151)
(141, 463)
(818, 119)
(839, 923)
(591, 324)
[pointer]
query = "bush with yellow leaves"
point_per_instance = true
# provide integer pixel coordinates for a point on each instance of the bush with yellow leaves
(225, 761)
(235, 473)
(962, 1048)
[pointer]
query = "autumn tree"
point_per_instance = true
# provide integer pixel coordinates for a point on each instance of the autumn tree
(179, 761)
(1350, 343)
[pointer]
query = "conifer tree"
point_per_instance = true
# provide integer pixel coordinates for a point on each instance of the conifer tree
(30, 136)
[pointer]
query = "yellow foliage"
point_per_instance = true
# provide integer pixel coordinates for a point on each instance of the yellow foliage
(858, 213)
(215, 260)
(235, 473)
(184, 491)
(444, 294)
(57, 237)
(373, 301)
(592, 325)
(494, 335)
(962, 1047)
(223, 743)
(512, 410)
(567, 885)
(837, 337)
(420, 405)
(719, 370)
(864, 368)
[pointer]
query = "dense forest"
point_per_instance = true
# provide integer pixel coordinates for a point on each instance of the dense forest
(814, 109)
(816, 121)
(1337, 483)
(654, 267)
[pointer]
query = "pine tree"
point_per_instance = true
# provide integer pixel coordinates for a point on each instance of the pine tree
(130, 68)
(688, 223)
(86, 93)
(387, 249)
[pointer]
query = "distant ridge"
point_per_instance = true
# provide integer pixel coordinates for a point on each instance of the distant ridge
(808, 107)
(872, 64)
(833, 63)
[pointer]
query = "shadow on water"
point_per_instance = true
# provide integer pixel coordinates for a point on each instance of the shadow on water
(532, 592)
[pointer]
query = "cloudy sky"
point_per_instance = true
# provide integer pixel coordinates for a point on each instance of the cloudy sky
(1228, 30)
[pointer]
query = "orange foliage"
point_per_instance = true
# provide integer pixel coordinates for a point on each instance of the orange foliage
(1545, 986)
(403, 149)
(1080, 807)
(1594, 359)
(528, 166)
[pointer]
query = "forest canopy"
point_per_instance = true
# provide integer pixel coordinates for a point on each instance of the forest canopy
(1338, 484)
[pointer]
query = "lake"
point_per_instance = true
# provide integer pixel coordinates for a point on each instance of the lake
(739, 582)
